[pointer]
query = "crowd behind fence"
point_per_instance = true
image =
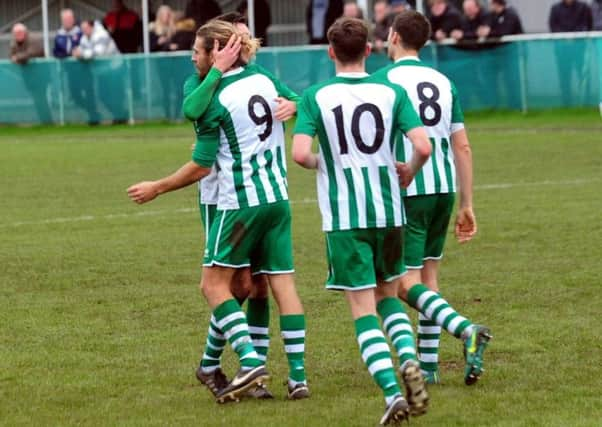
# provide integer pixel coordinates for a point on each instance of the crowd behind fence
(521, 73)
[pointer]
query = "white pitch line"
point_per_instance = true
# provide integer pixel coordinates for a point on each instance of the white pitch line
(83, 218)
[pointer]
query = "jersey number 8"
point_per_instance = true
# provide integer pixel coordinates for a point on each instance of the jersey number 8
(429, 102)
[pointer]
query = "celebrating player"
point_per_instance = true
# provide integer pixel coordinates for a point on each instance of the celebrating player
(198, 92)
(240, 133)
(429, 199)
(356, 118)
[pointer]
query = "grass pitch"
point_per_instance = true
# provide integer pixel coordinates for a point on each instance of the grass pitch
(102, 321)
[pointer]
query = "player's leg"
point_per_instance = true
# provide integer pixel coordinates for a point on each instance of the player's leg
(274, 258)
(419, 216)
(351, 269)
(228, 249)
(209, 371)
(389, 267)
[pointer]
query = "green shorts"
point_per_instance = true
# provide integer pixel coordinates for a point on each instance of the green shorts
(426, 229)
(207, 216)
(360, 258)
(257, 237)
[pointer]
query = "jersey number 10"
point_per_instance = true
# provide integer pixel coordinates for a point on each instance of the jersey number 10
(356, 130)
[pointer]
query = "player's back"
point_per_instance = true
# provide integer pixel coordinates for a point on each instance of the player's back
(357, 117)
(251, 155)
(436, 101)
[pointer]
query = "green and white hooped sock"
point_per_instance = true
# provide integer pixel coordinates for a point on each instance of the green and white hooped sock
(214, 347)
(377, 356)
(292, 327)
(438, 310)
(233, 322)
(429, 334)
(397, 325)
(258, 316)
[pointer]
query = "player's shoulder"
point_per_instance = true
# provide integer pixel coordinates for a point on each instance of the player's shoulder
(312, 90)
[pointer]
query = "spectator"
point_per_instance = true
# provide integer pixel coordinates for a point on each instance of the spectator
(597, 15)
(185, 32)
(320, 15)
(503, 21)
(24, 45)
(352, 10)
(444, 18)
(125, 27)
(474, 21)
(202, 11)
(382, 22)
(68, 36)
(95, 41)
(570, 15)
(398, 6)
(162, 30)
(263, 18)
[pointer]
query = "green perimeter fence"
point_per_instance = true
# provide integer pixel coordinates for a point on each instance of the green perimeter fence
(518, 74)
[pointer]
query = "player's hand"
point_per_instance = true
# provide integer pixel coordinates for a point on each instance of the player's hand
(228, 55)
(143, 192)
(466, 225)
(285, 109)
(405, 173)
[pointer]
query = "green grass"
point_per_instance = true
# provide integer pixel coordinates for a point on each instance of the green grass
(101, 320)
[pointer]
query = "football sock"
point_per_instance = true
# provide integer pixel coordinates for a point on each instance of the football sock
(292, 328)
(233, 322)
(377, 355)
(428, 344)
(438, 310)
(258, 316)
(214, 347)
(397, 325)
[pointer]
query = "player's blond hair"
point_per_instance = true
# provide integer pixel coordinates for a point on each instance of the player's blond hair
(222, 31)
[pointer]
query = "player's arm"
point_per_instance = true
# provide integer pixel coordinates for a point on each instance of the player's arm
(197, 99)
(146, 191)
(466, 224)
(409, 123)
(305, 130)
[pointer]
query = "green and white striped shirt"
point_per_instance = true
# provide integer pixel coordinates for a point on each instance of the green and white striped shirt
(241, 135)
(356, 118)
(435, 98)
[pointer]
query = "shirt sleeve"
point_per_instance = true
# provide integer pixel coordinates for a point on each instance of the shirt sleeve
(207, 137)
(306, 121)
(457, 118)
(407, 119)
(197, 99)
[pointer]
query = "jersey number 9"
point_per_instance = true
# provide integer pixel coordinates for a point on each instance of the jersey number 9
(263, 119)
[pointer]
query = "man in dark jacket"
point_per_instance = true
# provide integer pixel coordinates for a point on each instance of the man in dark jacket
(320, 15)
(565, 16)
(503, 21)
(473, 20)
(125, 27)
(68, 36)
(570, 15)
(202, 11)
(444, 18)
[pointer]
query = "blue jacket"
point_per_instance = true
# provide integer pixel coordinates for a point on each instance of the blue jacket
(66, 41)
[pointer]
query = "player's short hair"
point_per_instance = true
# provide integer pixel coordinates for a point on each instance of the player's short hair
(348, 38)
(233, 18)
(413, 28)
(222, 31)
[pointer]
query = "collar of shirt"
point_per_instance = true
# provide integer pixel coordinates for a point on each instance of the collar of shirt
(233, 72)
(406, 58)
(353, 74)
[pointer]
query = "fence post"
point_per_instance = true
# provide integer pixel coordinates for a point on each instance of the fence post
(522, 69)
(61, 95)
